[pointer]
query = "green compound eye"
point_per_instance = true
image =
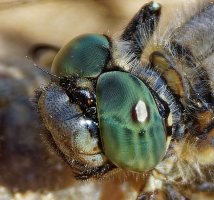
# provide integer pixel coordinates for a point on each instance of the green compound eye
(131, 128)
(85, 55)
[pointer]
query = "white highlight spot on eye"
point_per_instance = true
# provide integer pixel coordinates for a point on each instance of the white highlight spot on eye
(141, 111)
(155, 5)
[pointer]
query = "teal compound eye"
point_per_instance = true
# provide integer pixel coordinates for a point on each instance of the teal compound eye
(84, 56)
(132, 130)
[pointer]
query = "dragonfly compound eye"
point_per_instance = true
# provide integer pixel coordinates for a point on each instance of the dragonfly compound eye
(85, 56)
(132, 130)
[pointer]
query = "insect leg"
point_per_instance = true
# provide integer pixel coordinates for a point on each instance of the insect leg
(156, 189)
(146, 19)
(193, 43)
(201, 89)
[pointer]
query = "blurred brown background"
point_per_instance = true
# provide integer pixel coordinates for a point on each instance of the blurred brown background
(27, 23)
(29, 170)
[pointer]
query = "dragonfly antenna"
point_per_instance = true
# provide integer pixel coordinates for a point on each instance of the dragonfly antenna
(43, 70)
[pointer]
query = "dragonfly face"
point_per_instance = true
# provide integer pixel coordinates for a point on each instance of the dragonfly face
(106, 109)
